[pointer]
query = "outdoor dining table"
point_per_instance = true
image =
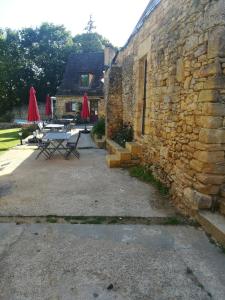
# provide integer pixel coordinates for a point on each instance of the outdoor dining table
(56, 140)
(54, 126)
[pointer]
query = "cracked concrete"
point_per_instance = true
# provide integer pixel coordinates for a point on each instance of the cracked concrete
(134, 262)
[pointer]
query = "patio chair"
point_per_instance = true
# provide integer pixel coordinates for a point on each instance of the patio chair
(41, 127)
(43, 148)
(71, 148)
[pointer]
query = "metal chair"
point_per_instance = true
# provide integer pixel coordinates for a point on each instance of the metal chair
(43, 148)
(71, 148)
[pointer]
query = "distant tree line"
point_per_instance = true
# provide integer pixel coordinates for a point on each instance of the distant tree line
(37, 56)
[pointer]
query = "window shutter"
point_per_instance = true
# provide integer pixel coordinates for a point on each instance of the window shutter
(68, 106)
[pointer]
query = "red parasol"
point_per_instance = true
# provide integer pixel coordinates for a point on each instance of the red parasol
(48, 108)
(85, 109)
(85, 113)
(33, 112)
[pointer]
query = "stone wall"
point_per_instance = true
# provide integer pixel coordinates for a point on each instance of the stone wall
(184, 141)
(113, 99)
(62, 100)
(61, 105)
(101, 108)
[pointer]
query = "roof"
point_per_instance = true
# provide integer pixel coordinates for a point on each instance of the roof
(149, 9)
(83, 63)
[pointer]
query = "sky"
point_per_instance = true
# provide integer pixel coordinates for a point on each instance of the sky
(114, 19)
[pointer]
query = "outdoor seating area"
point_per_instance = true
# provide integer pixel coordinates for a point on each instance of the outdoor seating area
(57, 142)
(55, 136)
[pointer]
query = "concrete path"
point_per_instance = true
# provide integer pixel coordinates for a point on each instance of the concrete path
(84, 187)
(85, 262)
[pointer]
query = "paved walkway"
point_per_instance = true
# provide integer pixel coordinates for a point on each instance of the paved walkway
(84, 187)
(87, 262)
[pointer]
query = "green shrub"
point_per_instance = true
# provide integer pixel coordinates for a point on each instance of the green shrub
(99, 128)
(125, 134)
(7, 117)
(28, 130)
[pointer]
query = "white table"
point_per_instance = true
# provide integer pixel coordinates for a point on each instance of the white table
(54, 126)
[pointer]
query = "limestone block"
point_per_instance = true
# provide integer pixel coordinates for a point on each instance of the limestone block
(209, 189)
(180, 70)
(212, 136)
(214, 168)
(211, 178)
(211, 157)
(209, 147)
(197, 165)
(213, 109)
(113, 161)
(191, 42)
(208, 96)
(197, 199)
(201, 50)
(211, 69)
(217, 82)
(134, 148)
(123, 155)
(216, 43)
(187, 82)
(199, 86)
(209, 122)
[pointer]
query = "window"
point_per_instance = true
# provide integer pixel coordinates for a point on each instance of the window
(72, 106)
(85, 80)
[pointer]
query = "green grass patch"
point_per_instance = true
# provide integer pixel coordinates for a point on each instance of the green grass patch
(173, 221)
(52, 219)
(145, 175)
(9, 138)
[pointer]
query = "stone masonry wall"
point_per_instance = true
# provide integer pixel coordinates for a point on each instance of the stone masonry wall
(113, 99)
(62, 100)
(184, 141)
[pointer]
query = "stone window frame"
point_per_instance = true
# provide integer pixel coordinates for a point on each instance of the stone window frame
(142, 95)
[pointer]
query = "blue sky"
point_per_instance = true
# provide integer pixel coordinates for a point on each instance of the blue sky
(114, 19)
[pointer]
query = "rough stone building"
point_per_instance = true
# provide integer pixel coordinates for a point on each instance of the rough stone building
(169, 82)
(84, 73)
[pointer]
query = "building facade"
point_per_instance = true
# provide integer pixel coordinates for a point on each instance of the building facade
(169, 82)
(83, 74)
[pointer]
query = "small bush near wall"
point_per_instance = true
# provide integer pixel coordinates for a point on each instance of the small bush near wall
(145, 175)
(99, 128)
(125, 134)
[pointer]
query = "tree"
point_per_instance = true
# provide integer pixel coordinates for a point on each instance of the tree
(47, 49)
(90, 26)
(11, 62)
(38, 56)
(32, 57)
(90, 42)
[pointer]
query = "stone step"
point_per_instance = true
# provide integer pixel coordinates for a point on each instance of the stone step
(112, 161)
(214, 224)
(133, 148)
(123, 155)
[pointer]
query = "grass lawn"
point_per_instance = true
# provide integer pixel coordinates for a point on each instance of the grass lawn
(8, 139)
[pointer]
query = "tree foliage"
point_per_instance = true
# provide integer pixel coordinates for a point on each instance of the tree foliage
(37, 56)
